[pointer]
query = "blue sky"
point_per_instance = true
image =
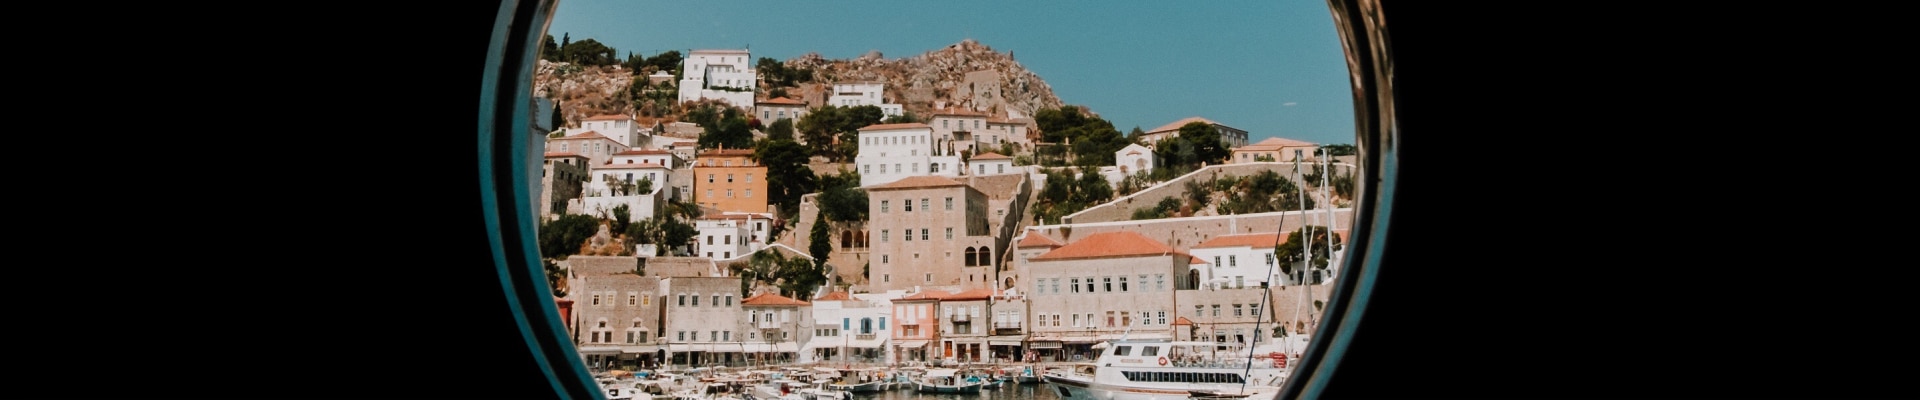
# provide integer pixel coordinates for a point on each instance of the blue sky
(1272, 68)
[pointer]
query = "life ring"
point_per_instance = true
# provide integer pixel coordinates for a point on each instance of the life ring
(1163, 361)
(1280, 362)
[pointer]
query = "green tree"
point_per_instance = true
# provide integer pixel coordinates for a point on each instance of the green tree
(621, 216)
(782, 129)
(549, 50)
(562, 237)
(788, 176)
(1336, 150)
(559, 119)
(1092, 188)
(1207, 146)
(841, 198)
(799, 278)
(1292, 251)
(820, 241)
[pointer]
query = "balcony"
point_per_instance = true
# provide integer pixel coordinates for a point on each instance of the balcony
(863, 336)
(959, 318)
(768, 325)
(1006, 328)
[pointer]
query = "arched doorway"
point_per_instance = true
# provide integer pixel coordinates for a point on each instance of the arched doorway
(1193, 279)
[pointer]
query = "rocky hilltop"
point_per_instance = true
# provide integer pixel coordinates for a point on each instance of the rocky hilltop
(966, 75)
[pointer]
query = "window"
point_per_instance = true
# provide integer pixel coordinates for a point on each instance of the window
(1236, 311)
(1123, 284)
(1163, 317)
(1089, 281)
(1110, 319)
(907, 205)
(1240, 282)
(883, 258)
(1269, 259)
(923, 233)
(596, 299)
(1040, 286)
(713, 336)
(1076, 285)
(949, 204)
(696, 299)
(709, 176)
(909, 234)
(929, 277)
(1106, 283)
(683, 299)
(883, 208)
(923, 205)
(1216, 261)
(867, 169)
(949, 233)
(633, 299)
(1002, 168)
(729, 240)
(883, 235)
(1233, 261)
(1076, 320)
(885, 277)
(729, 178)
(683, 336)
(729, 300)
(749, 178)
(709, 239)
(1123, 350)
(1160, 281)
(749, 192)
(729, 193)
(1216, 310)
(1056, 285)
(1199, 310)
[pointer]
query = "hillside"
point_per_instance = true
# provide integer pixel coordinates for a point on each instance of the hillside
(966, 75)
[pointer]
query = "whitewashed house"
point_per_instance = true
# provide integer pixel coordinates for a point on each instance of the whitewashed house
(889, 152)
(722, 74)
(852, 94)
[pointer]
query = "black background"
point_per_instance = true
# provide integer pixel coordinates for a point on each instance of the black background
(1585, 270)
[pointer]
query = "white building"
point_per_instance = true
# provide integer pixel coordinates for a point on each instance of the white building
(722, 74)
(620, 128)
(1236, 261)
(849, 327)
(991, 163)
(1018, 130)
(1133, 159)
(661, 157)
(612, 185)
(598, 148)
(731, 235)
(864, 94)
(889, 152)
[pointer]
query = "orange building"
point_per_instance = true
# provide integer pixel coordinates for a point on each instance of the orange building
(729, 180)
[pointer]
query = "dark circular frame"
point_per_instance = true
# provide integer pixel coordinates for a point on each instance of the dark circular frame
(508, 168)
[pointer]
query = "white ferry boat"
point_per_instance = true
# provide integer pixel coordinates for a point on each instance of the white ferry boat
(1168, 370)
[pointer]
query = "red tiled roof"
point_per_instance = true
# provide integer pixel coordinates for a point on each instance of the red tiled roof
(1273, 143)
(1109, 244)
(640, 165)
(1175, 125)
(782, 100)
(1255, 240)
(991, 156)
(925, 295)
(725, 152)
(607, 117)
(958, 112)
(834, 295)
(642, 152)
(1037, 240)
(1182, 321)
(584, 135)
(974, 294)
(770, 299)
(909, 125)
(918, 182)
(1195, 260)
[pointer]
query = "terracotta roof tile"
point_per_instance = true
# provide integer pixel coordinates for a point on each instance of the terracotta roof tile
(770, 299)
(1195, 260)
(919, 182)
(782, 100)
(584, 135)
(834, 295)
(1182, 321)
(725, 152)
(607, 117)
(642, 152)
(925, 295)
(1037, 240)
(1175, 125)
(974, 294)
(1109, 244)
(991, 156)
(909, 125)
(638, 165)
